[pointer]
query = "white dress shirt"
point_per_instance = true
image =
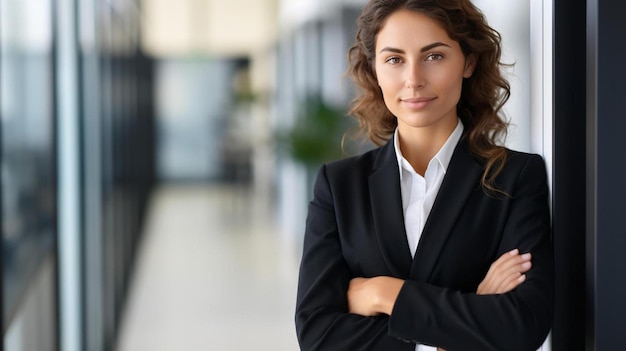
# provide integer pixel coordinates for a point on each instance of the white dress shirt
(418, 193)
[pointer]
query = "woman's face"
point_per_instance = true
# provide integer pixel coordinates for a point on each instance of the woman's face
(420, 71)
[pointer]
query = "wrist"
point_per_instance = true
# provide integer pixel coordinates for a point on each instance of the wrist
(387, 290)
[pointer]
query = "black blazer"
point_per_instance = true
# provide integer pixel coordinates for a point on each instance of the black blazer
(355, 228)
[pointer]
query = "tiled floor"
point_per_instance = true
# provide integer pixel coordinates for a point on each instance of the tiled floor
(213, 273)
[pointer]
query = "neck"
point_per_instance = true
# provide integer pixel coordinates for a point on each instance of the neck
(420, 145)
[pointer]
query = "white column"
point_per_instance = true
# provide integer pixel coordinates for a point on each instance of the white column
(69, 179)
(541, 88)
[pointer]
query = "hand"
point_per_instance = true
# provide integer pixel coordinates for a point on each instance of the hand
(360, 297)
(506, 273)
(373, 296)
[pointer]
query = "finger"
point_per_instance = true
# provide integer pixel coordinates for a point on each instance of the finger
(510, 258)
(499, 265)
(522, 266)
(511, 274)
(507, 259)
(503, 271)
(519, 267)
(518, 263)
(512, 284)
(508, 284)
(506, 256)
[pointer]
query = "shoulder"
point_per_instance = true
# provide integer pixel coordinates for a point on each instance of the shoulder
(514, 161)
(353, 172)
(523, 161)
(343, 178)
(523, 169)
(353, 165)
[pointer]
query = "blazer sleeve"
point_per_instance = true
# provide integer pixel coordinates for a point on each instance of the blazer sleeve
(322, 318)
(517, 320)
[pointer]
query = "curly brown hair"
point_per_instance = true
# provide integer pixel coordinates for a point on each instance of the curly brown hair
(482, 96)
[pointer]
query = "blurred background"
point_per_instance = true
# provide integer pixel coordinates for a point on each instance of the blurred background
(157, 158)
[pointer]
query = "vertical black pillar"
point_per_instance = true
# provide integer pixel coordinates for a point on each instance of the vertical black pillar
(568, 332)
(2, 326)
(606, 172)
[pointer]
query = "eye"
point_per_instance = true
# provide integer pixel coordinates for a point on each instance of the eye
(434, 57)
(394, 60)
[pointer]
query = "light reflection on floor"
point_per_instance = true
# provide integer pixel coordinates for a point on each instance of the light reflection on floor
(213, 273)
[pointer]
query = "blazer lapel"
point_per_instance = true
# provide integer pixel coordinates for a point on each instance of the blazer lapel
(462, 177)
(387, 213)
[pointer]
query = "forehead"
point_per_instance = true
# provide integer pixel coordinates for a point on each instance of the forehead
(404, 26)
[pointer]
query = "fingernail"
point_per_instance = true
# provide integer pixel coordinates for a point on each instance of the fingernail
(526, 265)
(526, 256)
(522, 278)
(513, 252)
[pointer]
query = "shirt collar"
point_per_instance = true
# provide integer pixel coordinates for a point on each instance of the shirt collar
(443, 156)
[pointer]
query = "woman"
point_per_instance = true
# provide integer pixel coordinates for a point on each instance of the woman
(416, 244)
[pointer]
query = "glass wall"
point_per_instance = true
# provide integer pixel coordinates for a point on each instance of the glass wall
(90, 141)
(28, 169)
(117, 165)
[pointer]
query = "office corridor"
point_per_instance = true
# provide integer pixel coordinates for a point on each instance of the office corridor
(213, 272)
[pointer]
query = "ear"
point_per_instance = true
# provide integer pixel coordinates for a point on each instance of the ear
(470, 65)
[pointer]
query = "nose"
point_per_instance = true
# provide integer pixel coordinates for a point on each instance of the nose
(414, 76)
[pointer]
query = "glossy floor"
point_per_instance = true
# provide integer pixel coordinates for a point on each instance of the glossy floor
(213, 273)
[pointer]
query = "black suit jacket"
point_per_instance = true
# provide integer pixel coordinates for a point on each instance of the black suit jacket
(355, 228)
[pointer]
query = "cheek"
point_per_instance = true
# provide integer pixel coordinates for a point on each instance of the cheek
(388, 97)
(452, 82)
(387, 84)
(384, 74)
(377, 74)
(382, 85)
(387, 91)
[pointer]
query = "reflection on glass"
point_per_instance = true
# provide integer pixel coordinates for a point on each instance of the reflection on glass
(27, 168)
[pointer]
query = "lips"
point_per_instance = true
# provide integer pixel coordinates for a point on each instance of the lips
(418, 103)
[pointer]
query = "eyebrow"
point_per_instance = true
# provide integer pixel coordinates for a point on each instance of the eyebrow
(424, 49)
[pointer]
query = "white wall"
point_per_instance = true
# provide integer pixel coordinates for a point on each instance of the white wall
(512, 20)
(208, 27)
(294, 13)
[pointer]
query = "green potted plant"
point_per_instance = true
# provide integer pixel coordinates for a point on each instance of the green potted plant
(316, 136)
